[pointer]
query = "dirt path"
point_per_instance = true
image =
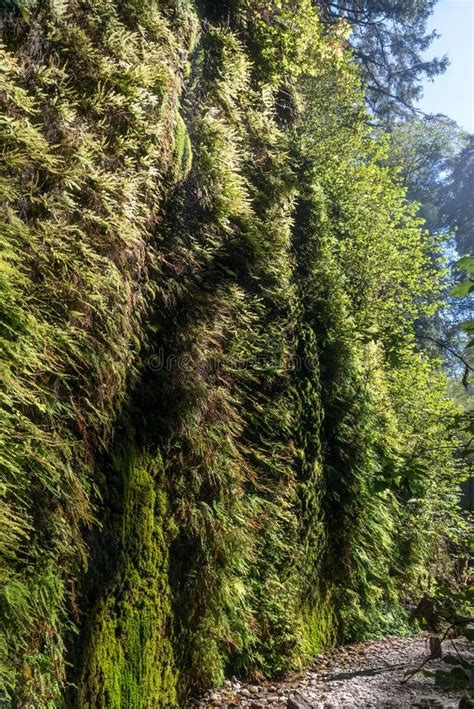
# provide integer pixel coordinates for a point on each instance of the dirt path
(334, 681)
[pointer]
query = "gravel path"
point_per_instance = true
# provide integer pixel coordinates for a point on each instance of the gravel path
(333, 681)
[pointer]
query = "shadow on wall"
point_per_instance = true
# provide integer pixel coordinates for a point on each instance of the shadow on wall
(216, 10)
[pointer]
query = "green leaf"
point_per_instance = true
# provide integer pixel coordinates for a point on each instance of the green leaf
(381, 485)
(457, 678)
(466, 263)
(457, 660)
(469, 634)
(463, 289)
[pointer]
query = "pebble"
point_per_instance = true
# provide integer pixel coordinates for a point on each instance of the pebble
(381, 691)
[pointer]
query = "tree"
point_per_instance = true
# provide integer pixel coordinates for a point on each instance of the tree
(459, 208)
(424, 151)
(389, 40)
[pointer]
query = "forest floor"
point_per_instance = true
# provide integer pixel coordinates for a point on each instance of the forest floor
(365, 675)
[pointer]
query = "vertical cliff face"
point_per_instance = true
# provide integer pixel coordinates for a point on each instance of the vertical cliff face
(220, 445)
(92, 143)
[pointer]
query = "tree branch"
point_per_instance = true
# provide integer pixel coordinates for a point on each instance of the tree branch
(467, 367)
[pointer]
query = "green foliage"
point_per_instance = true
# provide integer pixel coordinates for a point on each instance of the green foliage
(389, 40)
(450, 610)
(459, 202)
(464, 290)
(128, 656)
(424, 151)
(88, 119)
(222, 451)
(182, 148)
(465, 287)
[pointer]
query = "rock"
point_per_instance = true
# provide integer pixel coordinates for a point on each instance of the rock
(245, 692)
(255, 689)
(297, 701)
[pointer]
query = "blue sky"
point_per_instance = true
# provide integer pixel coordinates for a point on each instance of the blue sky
(452, 93)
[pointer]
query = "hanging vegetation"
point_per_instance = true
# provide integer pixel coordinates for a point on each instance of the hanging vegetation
(221, 448)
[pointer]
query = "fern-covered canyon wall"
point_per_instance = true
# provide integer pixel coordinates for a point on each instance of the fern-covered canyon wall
(221, 448)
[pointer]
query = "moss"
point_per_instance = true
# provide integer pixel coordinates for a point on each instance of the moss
(320, 625)
(128, 657)
(183, 153)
